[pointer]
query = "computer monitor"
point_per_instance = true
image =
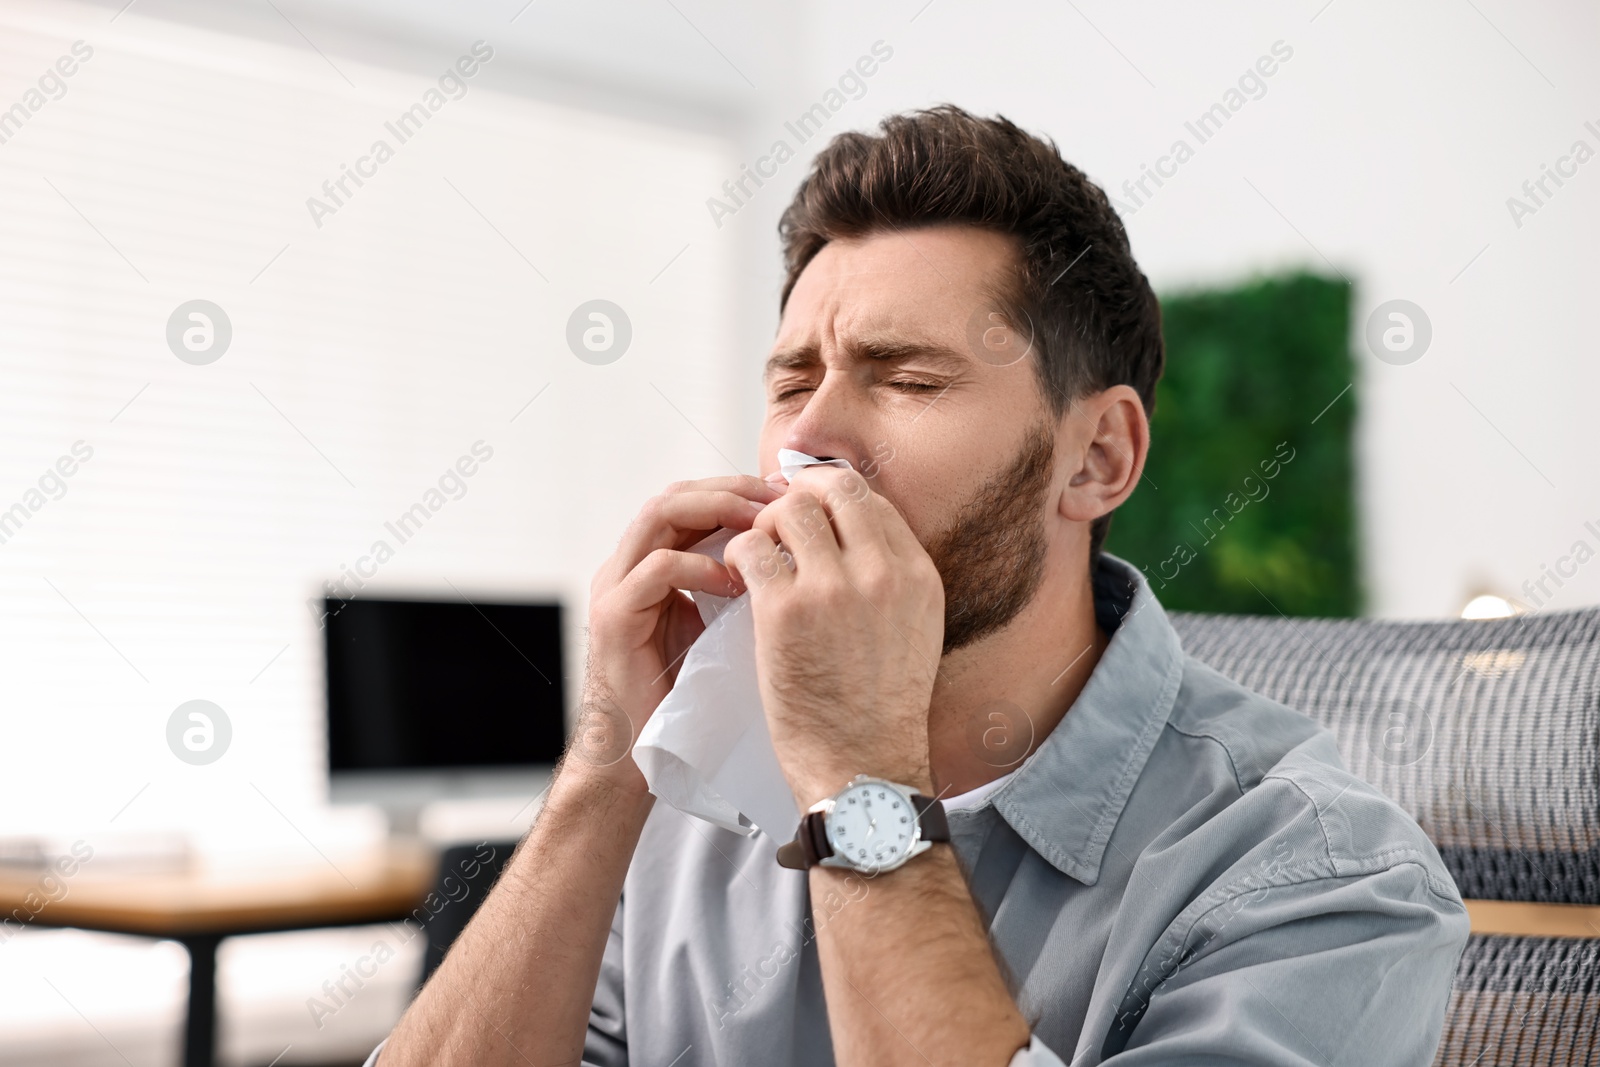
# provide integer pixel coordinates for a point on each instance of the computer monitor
(436, 699)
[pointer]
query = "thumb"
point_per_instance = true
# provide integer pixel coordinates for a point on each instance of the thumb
(755, 560)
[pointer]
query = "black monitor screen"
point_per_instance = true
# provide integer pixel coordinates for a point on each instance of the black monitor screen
(418, 684)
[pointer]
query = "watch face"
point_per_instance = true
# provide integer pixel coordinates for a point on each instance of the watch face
(872, 825)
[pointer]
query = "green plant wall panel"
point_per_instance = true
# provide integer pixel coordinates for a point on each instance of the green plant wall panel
(1248, 501)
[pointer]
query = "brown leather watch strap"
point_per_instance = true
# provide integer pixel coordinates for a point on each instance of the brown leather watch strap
(810, 845)
(931, 818)
(790, 856)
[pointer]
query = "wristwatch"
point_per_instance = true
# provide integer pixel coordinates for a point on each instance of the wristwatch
(871, 825)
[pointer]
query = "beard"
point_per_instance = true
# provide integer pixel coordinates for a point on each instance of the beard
(991, 557)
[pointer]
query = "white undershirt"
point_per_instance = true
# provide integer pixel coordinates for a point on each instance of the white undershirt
(973, 798)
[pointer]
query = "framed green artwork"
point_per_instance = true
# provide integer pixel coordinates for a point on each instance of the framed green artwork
(1247, 505)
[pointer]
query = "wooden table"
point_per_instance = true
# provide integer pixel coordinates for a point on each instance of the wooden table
(1533, 920)
(200, 908)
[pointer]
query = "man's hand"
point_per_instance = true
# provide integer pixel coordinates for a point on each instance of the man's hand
(640, 624)
(849, 622)
(849, 619)
(518, 985)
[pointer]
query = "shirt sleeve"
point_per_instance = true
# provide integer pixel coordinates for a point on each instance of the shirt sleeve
(606, 1044)
(1351, 969)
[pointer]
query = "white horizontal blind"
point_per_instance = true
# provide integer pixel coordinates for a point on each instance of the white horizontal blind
(368, 355)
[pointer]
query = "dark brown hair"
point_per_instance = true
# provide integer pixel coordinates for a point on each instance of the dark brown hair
(1094, 319)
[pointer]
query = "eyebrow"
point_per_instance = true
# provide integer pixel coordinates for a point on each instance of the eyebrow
(879, 350)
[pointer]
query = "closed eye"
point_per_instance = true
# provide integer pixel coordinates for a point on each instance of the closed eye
(910, 385)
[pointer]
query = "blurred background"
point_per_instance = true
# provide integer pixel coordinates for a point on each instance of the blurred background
(327, 327)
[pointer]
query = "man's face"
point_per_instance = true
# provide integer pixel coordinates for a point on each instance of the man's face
(887, 357)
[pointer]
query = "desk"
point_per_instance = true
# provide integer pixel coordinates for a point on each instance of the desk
(201, 908)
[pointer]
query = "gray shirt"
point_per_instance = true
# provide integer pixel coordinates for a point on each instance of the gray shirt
(1183, 872)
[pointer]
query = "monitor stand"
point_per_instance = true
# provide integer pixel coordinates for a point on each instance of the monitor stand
(406, 797)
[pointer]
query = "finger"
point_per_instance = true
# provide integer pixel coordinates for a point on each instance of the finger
(757, 562)
(680, 517)
(746, 485)
(901, 538)
(801, 523)
(859, 511)
(665, 571)
(847, 498)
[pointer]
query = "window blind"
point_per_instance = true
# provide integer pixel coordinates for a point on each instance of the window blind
(170, 517)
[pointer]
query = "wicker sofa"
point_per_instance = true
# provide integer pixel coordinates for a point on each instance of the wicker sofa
(1488, 733)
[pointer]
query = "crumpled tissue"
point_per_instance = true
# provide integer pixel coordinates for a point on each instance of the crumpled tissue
(707, 751)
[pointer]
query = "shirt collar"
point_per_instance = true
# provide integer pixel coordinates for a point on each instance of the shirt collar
(1065, 798)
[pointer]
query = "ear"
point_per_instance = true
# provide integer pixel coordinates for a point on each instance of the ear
(1103, 439)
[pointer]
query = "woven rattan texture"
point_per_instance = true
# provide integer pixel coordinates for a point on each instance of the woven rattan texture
(1487, 732)
(1528, 1001)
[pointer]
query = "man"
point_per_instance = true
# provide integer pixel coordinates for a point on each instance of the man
(1132, 859)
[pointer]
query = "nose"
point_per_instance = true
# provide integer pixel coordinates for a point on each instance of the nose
(830, 425)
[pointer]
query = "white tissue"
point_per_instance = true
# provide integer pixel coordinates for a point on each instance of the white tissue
(706, 750)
